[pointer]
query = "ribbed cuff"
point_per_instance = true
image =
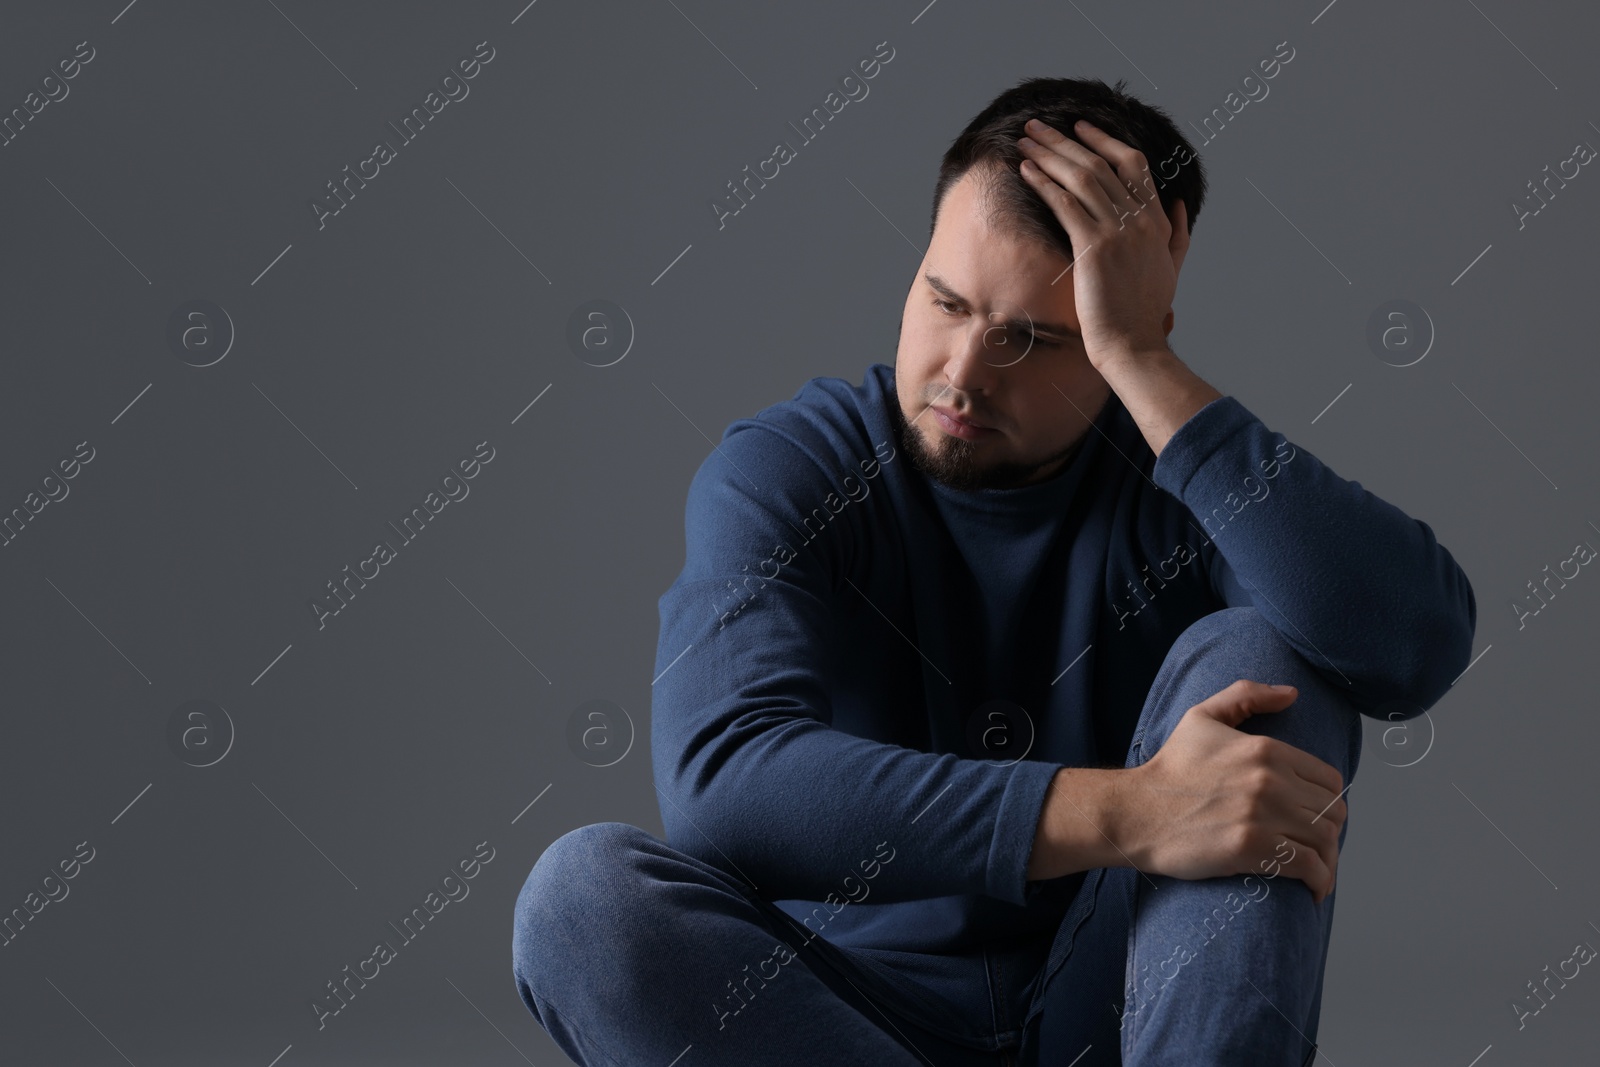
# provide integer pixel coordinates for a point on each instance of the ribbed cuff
(1016, 826)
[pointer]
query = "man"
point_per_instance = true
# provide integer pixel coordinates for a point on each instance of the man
(1006, 704)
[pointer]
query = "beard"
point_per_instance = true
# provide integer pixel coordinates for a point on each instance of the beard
(953, 461)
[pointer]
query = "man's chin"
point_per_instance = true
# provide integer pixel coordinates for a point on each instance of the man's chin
(947, 459)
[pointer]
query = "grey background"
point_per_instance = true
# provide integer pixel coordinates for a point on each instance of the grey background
(428, 315)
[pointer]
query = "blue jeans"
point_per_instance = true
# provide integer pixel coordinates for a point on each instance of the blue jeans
(626, 950)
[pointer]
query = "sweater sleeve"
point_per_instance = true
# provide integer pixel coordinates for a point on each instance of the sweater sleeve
(751, 774)
(1360, 589)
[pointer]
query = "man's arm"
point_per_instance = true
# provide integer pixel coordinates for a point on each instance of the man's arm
(1211, 802)
(1159, 390)
(1359, 588)
(752, 777)
(1362, 590)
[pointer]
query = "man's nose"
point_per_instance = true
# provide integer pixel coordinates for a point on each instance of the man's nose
(980, 356)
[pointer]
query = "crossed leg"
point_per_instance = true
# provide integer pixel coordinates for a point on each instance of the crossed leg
(629, 952)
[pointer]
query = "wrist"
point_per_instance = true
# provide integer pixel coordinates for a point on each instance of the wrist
(1129, 351)
(1160, 391)
(1083, 824)
(1123, 818)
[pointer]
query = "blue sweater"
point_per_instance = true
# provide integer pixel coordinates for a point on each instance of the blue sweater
(855, 656)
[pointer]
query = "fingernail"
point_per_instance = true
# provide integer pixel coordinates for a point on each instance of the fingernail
(1284, 688)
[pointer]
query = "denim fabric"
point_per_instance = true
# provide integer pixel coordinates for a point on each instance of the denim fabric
(629, 952)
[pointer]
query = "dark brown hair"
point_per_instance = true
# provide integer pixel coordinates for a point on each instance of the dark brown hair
(989, 143)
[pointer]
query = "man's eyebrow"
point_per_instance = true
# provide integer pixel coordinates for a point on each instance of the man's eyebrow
(943, 288)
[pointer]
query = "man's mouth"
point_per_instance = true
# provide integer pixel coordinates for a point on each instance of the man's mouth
(959, 425)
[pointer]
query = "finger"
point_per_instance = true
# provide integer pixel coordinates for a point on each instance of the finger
(1320, 808)
(1316, 785)
(1335, 810)
(1313, 866)
(1129, 162)
(1242, 699)
(1068, 207)
(1318, 772)
(1081, 171)
(1325, 834)
(1314, 804)
(1323, 839)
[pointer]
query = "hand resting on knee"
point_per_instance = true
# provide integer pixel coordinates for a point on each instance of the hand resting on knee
(1212, 801)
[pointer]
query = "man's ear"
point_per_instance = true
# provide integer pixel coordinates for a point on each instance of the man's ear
(1179, 244)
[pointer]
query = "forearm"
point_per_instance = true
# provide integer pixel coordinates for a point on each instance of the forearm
(1158, 389)
(1079, 826)
(801, 810)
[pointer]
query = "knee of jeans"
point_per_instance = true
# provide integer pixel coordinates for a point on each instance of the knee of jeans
(580, 889)
(1239, 642)
(1227, 632)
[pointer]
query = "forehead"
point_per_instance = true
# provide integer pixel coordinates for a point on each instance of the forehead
(987, 263)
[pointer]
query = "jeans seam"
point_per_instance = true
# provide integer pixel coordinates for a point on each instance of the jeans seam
(1126, 1028)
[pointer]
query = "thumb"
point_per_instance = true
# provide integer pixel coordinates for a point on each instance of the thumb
(1244, 698)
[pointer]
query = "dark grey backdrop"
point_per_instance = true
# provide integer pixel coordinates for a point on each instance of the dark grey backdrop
(367, 757)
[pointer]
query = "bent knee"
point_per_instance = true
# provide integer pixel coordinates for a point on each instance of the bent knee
(570, 898)
(1228, 631)
(1240, 642)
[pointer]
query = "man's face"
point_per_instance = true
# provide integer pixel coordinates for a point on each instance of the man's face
(967, 350)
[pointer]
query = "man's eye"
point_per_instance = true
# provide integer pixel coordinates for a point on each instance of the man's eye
(1031, 340)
